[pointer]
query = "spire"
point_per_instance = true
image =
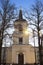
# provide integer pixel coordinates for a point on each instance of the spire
(20, 14)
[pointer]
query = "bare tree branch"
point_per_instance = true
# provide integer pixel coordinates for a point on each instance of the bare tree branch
(6, 15)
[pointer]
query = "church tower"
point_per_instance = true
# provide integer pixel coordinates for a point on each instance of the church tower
(21, 50)
(20, 25)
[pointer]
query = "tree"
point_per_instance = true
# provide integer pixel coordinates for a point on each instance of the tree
(6, 15)
(37, 19)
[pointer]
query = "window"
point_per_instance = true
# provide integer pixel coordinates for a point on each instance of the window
(20, 27)
(20, 40)
(21, 59)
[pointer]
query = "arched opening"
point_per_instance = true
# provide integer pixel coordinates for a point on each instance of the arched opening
(21, 58)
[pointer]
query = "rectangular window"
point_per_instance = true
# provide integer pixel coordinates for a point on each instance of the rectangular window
(20, 27)
(20, 40)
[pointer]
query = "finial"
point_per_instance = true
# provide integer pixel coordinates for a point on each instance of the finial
(20, 7)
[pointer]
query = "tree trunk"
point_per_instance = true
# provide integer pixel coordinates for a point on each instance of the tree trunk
(39, 49)
(0, 49)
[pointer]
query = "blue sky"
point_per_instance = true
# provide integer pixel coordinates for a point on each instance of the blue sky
(25, 4)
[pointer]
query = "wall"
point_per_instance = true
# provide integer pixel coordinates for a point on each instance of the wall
(27, 50)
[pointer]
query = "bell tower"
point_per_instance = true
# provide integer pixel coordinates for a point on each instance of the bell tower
(20, 26)
(21, 49)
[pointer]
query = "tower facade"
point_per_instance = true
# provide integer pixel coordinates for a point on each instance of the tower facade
(21, 52)
(19, 35)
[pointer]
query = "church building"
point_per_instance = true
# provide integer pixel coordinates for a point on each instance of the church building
(21, 52)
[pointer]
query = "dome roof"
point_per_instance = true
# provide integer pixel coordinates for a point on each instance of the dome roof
(20, 20)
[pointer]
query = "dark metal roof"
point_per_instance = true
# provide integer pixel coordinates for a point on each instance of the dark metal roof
(20, 20)
(20, 15)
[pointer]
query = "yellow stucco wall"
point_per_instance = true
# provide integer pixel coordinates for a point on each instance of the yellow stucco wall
(27, 50)
(9, 55)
